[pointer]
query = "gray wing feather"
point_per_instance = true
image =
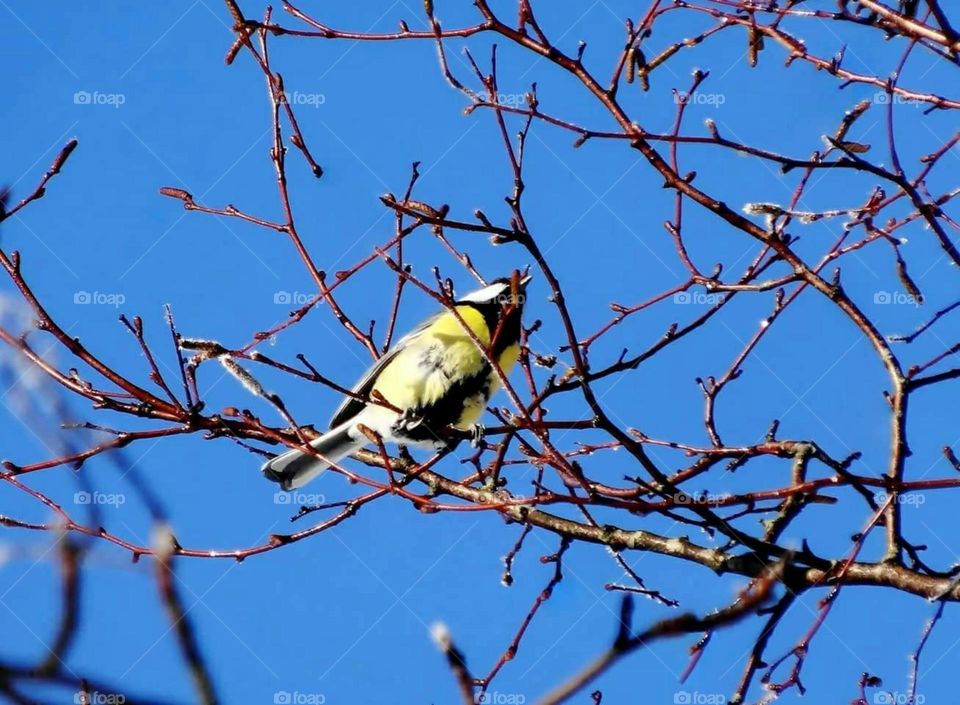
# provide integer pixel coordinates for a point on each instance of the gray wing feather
(352, 406)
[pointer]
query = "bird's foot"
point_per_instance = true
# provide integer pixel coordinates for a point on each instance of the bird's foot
(477, 432)
(409, 420)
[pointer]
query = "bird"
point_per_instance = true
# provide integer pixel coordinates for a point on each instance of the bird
(434, 377)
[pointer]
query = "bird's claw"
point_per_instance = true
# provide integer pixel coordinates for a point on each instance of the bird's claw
(477, 433)
(409, 420)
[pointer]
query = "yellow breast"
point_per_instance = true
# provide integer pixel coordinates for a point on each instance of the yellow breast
(424, 371)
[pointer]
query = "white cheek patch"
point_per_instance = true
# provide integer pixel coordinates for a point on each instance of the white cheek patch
(487, 293)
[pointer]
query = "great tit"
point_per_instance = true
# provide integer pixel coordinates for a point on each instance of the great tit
(434, 377)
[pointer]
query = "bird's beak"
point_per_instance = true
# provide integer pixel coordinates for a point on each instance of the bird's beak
(524, 280)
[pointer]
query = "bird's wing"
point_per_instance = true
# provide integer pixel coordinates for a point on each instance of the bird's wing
(351, 406)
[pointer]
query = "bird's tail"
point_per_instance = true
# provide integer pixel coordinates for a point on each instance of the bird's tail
(296, 468)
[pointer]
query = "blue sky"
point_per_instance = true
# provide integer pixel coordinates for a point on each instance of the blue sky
(345, 615)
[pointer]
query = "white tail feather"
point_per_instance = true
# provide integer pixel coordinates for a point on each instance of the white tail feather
(296, 468)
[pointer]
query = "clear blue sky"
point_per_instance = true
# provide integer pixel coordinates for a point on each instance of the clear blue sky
(346, 614)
